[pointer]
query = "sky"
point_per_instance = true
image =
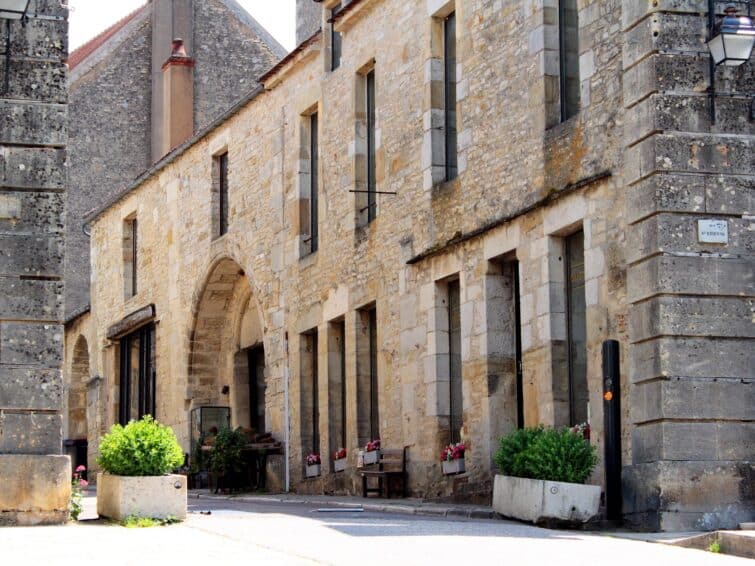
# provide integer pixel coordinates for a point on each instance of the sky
(88, 18)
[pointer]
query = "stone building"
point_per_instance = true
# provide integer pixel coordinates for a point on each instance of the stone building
(33, 101)
(423, 226)
(117, 123)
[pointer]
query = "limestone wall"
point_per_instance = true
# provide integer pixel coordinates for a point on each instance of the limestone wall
(32, 197)
(525, 183)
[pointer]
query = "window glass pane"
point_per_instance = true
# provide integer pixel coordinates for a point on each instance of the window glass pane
(223, 189)
(449, 56)
(314, 180)
(374, 405)
(371, 200)
(569, 58)
(576, 328)
(335, 41)
(133, 379)
(454, 349)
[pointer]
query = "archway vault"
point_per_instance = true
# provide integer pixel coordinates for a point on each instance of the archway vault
(227, 318)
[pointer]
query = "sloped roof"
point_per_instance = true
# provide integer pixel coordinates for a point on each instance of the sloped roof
(96, 42)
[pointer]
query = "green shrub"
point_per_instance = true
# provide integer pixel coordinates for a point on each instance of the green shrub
(226, 452)
(141, 448)
(546, 454)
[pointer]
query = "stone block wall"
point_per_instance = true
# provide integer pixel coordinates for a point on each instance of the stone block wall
(32, 193)
(691, 368)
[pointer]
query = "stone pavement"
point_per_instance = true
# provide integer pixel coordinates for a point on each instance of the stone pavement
(248, 530)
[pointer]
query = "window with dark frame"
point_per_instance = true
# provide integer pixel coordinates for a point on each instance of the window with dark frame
(315, 396)
(134, 256)
(314, 182)
(371, 164)
(456, 409)
(374, 402)
(336, 41)
(137, 385)
(222, 194)
(130, 257)
(576, 327)
(568, 29)
(449, 95)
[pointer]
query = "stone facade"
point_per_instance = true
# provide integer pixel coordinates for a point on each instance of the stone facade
(630, 174)
(36, 478)
(112, 108)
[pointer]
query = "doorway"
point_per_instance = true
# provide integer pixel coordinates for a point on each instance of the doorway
(257, 386)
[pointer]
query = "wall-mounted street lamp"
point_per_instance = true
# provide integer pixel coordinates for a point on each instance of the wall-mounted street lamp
(730, 41)
(13, 9)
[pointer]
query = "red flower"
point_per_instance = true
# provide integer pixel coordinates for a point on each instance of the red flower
(340, 454)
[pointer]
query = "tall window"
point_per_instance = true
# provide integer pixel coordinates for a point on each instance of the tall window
(368, 408)
(449, 94)
(310, 405)
(371, 166)
(568, 27)
(576, 327)
(256, 366)
(314, 180)
(335, 39)
(222, 165)
(454, 349)
(130, 257)
(137, 375)
(337, 385)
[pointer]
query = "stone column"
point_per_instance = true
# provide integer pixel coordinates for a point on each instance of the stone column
(36, 477)
(691, 374)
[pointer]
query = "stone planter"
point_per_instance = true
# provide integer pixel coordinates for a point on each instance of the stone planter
(339, 465)
(313, 471)
(158, 497)
(451, 467)
(538, 500)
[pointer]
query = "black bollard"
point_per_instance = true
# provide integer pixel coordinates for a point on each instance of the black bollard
(612, 428)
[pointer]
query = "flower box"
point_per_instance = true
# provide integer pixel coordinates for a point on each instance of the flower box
(539, 500)
(158, 497)
(371, 457)
(451, 467)
(339, 465)
(313, 470)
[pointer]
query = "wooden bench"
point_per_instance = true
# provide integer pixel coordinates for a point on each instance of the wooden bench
(391, 467)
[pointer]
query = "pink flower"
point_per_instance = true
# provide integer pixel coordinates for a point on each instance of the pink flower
(81, 468)
(83, 483)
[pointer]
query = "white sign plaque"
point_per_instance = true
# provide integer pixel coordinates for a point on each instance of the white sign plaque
(713, 231)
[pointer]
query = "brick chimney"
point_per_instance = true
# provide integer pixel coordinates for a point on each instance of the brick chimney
(178, 98)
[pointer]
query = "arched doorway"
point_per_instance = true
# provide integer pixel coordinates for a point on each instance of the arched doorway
(76, 442)
(227, 359)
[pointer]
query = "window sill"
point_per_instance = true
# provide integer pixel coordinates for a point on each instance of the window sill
(308, 260)
(446, 186)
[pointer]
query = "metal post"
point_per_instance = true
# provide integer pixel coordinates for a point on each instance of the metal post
(612, 428)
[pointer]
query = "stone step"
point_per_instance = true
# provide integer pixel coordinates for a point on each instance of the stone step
(747, 526)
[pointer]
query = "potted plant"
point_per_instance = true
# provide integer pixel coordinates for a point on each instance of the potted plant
(313, 465)
(452, 459)
(225, 460)
(370, 454)
(339, 460)
(544, 470)
(136, 461)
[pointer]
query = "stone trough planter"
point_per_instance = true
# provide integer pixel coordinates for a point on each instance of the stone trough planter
(538, 500)
(158, 497)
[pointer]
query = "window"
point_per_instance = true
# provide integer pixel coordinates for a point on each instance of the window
(368, 408)
(256, 368)
(449, 95)
(310, 405)
(371, 168)
(137, 375)
(337, 385)
(313, 176)
(220, 194)
(130, 257)
(335, 40)
(576, 327)
(456, 411)
(568, 30)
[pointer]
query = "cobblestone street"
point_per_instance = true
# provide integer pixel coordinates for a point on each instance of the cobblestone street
(265, 532)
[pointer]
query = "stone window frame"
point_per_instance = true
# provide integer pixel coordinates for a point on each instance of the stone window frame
(218, 229)
(434, 168)
(359, 147)
(130, 254)
(337, 384)
(331, 10)
(304, 180)
(310, 375)
(367, 381)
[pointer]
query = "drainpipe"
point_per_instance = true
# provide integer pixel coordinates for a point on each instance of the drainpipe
(287, 416)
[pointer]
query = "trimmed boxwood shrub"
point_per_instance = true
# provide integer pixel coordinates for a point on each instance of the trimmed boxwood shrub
(141, 448)
(546, 454)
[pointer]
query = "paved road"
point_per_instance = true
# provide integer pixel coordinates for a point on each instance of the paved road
(283, 533)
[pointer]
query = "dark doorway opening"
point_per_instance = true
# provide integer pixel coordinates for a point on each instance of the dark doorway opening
(256, 365)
